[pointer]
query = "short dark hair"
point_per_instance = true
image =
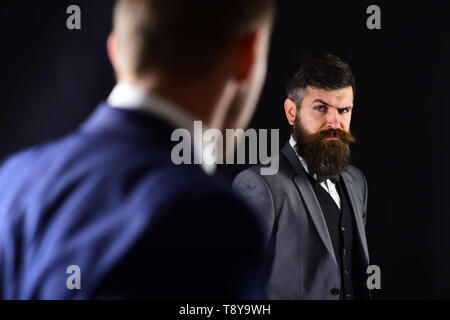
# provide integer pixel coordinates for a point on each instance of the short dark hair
(181, 37)
(320, 71)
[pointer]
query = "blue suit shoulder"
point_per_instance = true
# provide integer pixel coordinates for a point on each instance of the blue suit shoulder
(137, 225)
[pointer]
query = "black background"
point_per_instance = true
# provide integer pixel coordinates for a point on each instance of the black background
(52, 79)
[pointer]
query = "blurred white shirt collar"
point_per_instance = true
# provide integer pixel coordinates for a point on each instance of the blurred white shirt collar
(132, 97)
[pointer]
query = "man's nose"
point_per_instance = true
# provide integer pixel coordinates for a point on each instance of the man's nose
(332, 119)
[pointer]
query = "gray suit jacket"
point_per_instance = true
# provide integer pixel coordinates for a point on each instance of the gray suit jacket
(303, 264)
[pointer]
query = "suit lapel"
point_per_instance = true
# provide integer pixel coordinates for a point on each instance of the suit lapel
(309, 198)
(358, 209)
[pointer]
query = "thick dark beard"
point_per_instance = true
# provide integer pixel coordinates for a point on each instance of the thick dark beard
(323, 157)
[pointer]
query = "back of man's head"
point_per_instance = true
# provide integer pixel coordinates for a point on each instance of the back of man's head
(181, 39)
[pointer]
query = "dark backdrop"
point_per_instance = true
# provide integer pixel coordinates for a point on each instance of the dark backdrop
(52, 78)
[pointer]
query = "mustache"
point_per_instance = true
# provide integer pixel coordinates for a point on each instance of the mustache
(341, 135)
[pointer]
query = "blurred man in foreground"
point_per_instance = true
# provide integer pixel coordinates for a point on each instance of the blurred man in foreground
(104, 212)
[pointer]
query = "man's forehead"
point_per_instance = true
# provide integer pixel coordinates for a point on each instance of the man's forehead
(344, 95)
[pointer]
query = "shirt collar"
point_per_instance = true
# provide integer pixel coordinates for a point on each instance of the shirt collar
(132, 97)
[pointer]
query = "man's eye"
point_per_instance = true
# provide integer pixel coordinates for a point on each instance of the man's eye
(320, 108)
(344, 110)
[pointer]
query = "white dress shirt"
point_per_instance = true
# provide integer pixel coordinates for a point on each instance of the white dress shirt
(132, 97)
(328, 185)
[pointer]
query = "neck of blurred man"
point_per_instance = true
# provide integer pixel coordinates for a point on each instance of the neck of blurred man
(206, 99)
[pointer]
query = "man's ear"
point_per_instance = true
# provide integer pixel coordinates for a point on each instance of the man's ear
(290, 109)
(112, 48)
(247, 54)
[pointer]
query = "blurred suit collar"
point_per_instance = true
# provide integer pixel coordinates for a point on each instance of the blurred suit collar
(132, 97)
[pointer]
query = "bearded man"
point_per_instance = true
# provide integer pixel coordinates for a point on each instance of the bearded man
(105, 212)
(314, 209)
